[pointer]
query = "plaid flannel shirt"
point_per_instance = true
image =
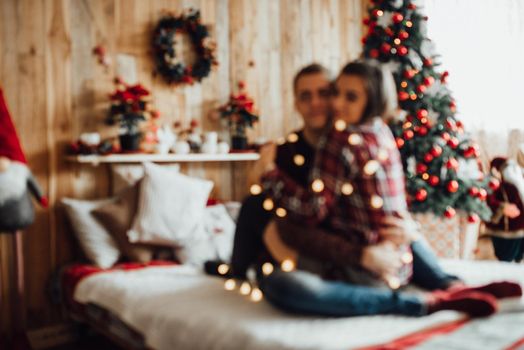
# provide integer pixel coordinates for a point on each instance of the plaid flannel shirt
(357, 180)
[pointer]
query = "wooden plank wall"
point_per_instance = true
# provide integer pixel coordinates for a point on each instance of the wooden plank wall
(56, 90)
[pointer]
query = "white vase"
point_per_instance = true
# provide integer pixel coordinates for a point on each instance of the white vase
(223, 147)
(181, 147)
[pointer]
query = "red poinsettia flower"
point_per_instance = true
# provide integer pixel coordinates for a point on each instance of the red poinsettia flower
(138, 90)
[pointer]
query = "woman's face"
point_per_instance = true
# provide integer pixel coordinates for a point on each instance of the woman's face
(349, 98)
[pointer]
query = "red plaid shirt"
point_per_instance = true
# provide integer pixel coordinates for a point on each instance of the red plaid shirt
(357, 180)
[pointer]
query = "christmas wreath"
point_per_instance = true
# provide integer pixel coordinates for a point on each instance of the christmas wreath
(167, 63)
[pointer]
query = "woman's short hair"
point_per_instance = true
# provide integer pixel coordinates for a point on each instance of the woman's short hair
(380, 87)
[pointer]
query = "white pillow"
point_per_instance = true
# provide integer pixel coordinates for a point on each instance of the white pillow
(125, 175)
(170, 207)
(216, 242)
(95, 241)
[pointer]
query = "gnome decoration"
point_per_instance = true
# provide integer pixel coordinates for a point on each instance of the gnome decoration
(507, 203)
(16, 180)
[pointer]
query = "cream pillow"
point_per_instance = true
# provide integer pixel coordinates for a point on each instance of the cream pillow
(98, 245)
(170, 207)
(125, 175)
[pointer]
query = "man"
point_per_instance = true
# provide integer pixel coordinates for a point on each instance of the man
(311, 87)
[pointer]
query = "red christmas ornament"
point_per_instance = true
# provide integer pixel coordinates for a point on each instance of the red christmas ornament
(433, 180)
(436, 150)
(471, 151)
(422, 113)
(452, 106)
(385, 48)
(449, 212)
(412, 6)
(400, 142)
(364, 39)
(421, 168)
(452, 163)
(409, 118)
(453, 142)
(373, 53)
(445, 136)
(421, 195)
(388, 31)
(421, 89)
(403, 96)
(402, 50)
(428, 157)
(397, 17)
(483, 194)
(366, 21)
(494, 184)
(428, 81)
(376, 13)
(403, 35)
(422, 131)
(472, 218)
(453, 186)
(473, 191)
(408, 134)
(444, 77)
(409, 74)
(428, 62)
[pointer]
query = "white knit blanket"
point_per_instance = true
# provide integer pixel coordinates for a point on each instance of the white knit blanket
(178, 307)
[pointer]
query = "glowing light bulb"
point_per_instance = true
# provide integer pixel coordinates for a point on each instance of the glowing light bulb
(347, 188)
(397, 41)
(407, 258)
(267, 268)
(317, 185)
(376, 202)
(394, 283)
(230, 284)
(382, 155)
(245, 288)
(340, 125)
(287, 265)
(255, 189)
(256, 295)
(371, 167)
(404, 84)
(223, 269)
(299, 159)
(268, 204)
(281, 141)
(292, 137)
(281, 212)
(354, 139)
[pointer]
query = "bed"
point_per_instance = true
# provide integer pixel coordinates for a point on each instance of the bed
(168, 306)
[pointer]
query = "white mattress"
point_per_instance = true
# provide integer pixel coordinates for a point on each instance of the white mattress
(178, 307)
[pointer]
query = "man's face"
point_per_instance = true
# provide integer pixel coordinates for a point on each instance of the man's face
(312, 100)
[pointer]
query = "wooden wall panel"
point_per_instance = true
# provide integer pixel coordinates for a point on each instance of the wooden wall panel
(56, 89)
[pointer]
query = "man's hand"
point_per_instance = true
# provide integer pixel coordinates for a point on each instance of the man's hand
(265, 163)
(382, 259)
(399, 230)
(511, 210)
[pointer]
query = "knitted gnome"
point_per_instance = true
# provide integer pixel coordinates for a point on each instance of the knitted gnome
(16, 180)
(507, 202)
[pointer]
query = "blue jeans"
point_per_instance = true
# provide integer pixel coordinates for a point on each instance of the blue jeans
(307, 293)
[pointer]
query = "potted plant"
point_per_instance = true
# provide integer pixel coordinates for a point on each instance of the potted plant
(129, 108)
(239, 114)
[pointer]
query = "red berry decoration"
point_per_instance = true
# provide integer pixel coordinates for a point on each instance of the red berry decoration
(453, 142)
(483, 194)
(408, 134)
(428, 81)
(436, 150)
(402, 50)
(400, 142)
(453, 186)
(473, 191)
(452, 163)
(366, 21)
(421, 168)
(421, 195)
(428, 62)
(428, 157)
(377, 12)
(494, 184)
(472, 218)
(449, 212)
(433, 180)
(422, 113)
(397, 17)
(403, 96)
(373, 53)
(409, 74)
(385, 48)
(403, 35)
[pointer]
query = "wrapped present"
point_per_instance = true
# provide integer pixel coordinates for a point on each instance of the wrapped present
(452, 238)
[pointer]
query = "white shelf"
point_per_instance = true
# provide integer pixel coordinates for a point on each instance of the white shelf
(163, 158)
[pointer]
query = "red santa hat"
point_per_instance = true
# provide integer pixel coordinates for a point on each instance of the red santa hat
(9, 142)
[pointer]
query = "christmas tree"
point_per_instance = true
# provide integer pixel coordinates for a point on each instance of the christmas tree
(441, 162)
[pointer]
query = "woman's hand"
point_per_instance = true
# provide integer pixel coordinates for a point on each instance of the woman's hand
(511, 210)
(382, 259)
(399, 230)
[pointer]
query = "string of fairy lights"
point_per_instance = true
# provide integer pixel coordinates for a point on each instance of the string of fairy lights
(249, 287)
